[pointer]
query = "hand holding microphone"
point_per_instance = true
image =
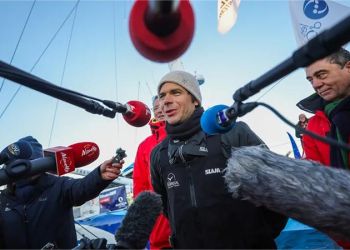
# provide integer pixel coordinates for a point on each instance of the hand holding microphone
(110, 169)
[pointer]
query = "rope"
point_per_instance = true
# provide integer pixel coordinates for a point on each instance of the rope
(37, 61)
(63, 72)
(19, 39)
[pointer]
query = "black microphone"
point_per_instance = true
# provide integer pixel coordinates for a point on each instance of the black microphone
(313, 194)
(135, 113)
(138, 222)
(18, 150)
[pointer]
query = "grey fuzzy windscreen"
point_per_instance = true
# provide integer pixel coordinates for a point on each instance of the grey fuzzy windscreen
(316, 195)
(138, 222)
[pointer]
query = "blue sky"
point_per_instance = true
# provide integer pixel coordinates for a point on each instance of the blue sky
(262, 38)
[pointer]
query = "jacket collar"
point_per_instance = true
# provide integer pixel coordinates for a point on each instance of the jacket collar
(311, 103)
(156, 125)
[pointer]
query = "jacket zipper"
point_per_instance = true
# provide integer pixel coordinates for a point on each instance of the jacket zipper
(25, 214)
(192, 190)
(190, 178)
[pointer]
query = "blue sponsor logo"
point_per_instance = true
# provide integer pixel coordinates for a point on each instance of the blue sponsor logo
(315, 9)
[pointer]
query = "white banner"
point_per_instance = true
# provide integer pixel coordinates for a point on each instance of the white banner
(227, 14)
(310, 17)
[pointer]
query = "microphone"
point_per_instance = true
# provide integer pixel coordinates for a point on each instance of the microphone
(135, 113)
(219, 119)
(138, 222)
(18, 150)
(161, 31)
(88, 152)
(211, 120)
(58, 160)
(313, 194)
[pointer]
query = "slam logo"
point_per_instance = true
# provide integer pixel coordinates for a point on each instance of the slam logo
(315, 9)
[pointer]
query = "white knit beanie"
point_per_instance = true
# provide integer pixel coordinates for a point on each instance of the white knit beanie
(185, 80)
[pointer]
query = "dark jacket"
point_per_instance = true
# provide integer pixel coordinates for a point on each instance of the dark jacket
(314, 149)
(47, 215)
(201, 211)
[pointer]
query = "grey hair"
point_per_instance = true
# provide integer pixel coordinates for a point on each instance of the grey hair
(340, 57)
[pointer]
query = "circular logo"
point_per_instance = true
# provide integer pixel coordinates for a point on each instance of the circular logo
(120, 199)
(315, 9)
(14, 149)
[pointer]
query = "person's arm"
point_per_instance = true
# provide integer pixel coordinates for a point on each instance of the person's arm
(310, 149)
(241, 135)
(141, 173)
(297, 132)
(156, 177)
(76, 192)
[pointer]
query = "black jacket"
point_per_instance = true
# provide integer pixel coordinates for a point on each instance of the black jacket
(47, 216)
(202, 213)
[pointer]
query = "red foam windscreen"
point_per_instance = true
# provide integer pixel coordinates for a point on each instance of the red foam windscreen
(139, 114)
(161, 48)
(85, 153)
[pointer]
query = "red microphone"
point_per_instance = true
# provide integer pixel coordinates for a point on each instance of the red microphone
(76, 155)
(85, 153)
(59, 160)
(161, 30)
(137, 114)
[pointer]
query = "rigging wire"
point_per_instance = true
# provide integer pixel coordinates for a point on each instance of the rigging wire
(41, 55)
(149, 90)
(63, 71)
(77, 222)
(274, 85)
(19, 39)
(115, 61)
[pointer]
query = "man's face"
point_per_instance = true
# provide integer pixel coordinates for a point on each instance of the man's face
(158, 114)
(330, 81)
(176, 103)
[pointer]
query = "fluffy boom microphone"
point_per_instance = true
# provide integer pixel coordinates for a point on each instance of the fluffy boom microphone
(316, 195)
(138, 222)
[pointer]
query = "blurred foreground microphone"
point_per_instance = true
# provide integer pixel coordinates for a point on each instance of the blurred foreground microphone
(58, 160)
(138, 222)
(161, 30)
(18, 150)
(315, 195)
(135, 113)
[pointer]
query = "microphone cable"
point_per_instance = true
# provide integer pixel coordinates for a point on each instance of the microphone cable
(327, 140)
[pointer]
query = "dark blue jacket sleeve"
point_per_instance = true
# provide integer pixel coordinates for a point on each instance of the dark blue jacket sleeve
(76, 192)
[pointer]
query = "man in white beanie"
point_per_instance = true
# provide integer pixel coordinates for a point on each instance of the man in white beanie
(187, 170)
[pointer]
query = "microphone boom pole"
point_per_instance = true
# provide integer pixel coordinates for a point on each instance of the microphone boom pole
(324, 44)
(33, 82)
